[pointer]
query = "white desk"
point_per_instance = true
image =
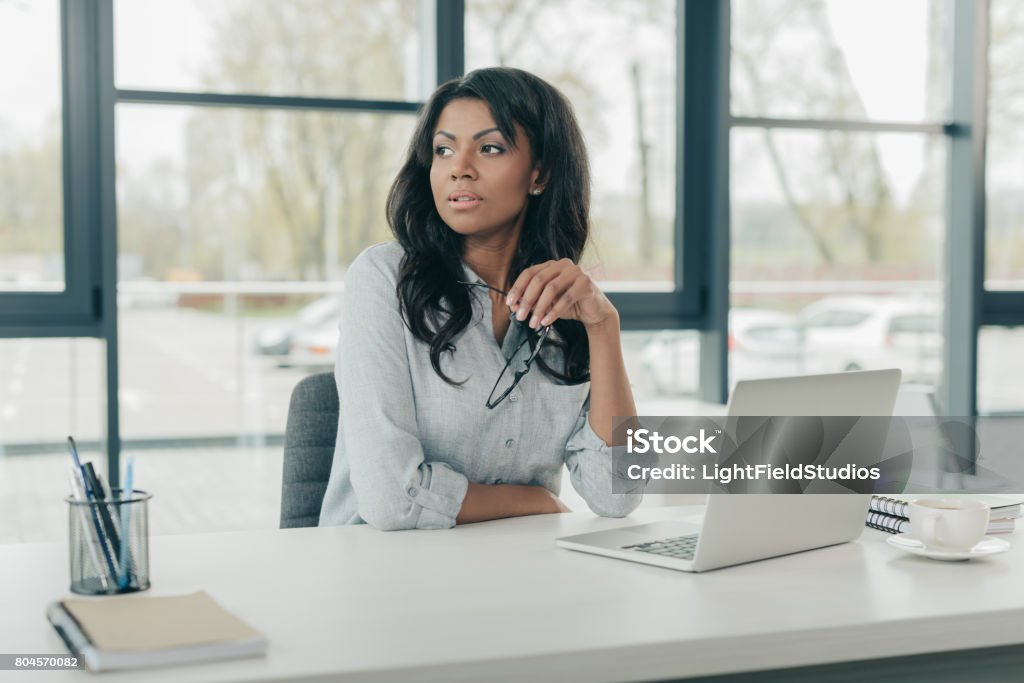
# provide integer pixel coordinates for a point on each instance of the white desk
(498, 601)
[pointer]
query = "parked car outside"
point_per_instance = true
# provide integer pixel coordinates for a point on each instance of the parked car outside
(276, 340)
(762, 343)
(869, 333)
(314, 348)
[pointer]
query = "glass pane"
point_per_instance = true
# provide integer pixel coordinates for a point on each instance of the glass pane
(840, 59)
(666, 363)
(250, 194)
(836, 253)
(1004, 268)
(624, 94)
(31, 185)
(316, 48)
(236, 227)
(1000, 370)
(49, 389)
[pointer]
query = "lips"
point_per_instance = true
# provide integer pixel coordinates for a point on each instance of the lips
(461, 200)
(463, 196)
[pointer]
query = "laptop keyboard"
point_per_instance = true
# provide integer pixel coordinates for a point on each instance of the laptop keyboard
(679, 547)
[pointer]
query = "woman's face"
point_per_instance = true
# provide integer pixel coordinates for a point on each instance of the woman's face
(480, 183)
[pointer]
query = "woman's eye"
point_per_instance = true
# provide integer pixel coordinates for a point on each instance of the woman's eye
(442, 151)
(491, 149)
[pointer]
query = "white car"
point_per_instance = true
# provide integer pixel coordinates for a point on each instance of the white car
(276, 340)
(868, 333)
(762, 343)
(314, 347)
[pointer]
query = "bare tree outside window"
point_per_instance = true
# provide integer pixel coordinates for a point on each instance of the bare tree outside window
(837, 192)
(31, 183)
(274, 194)
(837, 235)
(1005, 181)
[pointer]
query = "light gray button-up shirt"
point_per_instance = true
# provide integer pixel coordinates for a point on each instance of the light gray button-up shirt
(409, 443)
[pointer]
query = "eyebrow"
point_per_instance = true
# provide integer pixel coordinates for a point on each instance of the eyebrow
(476, 136)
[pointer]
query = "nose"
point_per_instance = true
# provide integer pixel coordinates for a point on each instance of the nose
(462, 167)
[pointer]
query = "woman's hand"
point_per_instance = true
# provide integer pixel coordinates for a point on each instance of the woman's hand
(559, 289)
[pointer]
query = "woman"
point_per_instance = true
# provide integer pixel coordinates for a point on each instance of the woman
(490, 216)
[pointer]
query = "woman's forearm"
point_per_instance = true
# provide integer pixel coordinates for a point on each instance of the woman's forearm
(610, 393)
(496, 501)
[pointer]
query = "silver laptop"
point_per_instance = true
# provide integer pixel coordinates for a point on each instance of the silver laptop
(738, 528)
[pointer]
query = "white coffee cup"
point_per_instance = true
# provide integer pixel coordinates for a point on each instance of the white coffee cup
(949, 523)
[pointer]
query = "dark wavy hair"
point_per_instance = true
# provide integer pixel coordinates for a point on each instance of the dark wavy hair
(557, 224)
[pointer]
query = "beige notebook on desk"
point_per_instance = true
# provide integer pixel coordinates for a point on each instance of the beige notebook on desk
(132, 632)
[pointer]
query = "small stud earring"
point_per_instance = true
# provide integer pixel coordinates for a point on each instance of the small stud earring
(537, 191)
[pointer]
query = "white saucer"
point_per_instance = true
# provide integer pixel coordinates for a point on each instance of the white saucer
(986, 546)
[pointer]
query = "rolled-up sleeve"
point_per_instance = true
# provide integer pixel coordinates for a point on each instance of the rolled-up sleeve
(590, 464)
(394, 486)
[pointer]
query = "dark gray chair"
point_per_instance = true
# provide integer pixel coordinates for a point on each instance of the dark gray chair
(309, 440)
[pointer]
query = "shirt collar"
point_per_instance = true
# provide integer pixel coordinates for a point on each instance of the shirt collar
(480, 304)
(470, 274)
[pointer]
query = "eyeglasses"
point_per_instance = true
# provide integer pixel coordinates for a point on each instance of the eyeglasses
(514, 370)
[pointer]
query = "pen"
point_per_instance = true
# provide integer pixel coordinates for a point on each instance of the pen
(126, 496)
(74, 454)
(100, 517)
(87, 496)
(78, 466)
(100, 494)
(78, 495)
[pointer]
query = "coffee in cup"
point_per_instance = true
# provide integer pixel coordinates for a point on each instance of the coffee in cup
(949, 523)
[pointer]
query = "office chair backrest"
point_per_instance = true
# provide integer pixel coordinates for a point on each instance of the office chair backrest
(309, 440)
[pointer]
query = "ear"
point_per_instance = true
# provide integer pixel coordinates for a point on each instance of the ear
(539, 178)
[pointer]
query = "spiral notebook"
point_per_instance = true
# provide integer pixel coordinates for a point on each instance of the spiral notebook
(130, 632)
(1000, 507)
(887, 513)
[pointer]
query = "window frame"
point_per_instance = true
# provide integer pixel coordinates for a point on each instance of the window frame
(966, 306)
(699, 299)
(999, 307)
(76, 310)
(685, 306)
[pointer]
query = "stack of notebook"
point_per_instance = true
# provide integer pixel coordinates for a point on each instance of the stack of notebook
(131, 632)
(890, 513)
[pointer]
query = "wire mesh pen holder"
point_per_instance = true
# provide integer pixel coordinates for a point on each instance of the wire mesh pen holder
(108, 544)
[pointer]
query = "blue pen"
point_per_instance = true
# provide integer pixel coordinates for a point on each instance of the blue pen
(126, 495)
(74, 456)
(89, 496)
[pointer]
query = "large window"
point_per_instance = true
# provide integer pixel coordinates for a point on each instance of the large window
(1000, 376)
(1004, 180)
(236, 228)
(49, 388)
(235, 154)
(840, 59)
(837, 199)
(314, 48)
(31, 157)
(1000, 370)
(237, 218)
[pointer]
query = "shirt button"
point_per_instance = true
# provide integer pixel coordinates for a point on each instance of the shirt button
(509, 443)
(412, 492)
(513, 397)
